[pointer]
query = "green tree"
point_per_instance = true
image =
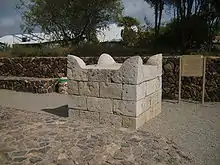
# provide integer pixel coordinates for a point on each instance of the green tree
(129, 35)
(72, 21)
(158, 6)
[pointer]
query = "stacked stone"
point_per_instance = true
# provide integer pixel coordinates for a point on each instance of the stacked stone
(28, 84)
(122, 95)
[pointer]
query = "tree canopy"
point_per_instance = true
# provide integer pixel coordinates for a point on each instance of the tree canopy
(69, 20)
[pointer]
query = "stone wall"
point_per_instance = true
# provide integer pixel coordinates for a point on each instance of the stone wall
(38, 67)
(27, 84)
(122, 95)
(191, 86)
(54, 67)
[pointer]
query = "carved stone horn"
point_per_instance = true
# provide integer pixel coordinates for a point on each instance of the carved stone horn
(106, 59)
(76, 62)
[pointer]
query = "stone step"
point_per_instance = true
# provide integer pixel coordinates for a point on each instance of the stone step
(29, 84)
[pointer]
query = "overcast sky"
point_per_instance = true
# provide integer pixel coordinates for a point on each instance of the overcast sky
(10, 19)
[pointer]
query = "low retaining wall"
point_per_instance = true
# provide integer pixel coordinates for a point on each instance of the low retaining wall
(27, 84)
(38, 67)
(56, 67)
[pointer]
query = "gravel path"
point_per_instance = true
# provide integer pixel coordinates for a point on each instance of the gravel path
(194, 127)
(44, 139)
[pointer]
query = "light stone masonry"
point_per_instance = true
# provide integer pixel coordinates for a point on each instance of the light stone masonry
(110, 90)
(134, 92)
(78, 102)
(89, 89)
(120, 95)
(99, 104)
(73, 87)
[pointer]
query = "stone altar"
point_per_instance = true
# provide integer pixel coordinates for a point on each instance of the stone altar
(121, 95)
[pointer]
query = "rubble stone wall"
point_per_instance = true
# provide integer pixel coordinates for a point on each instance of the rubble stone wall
(40, 67)
(121, 95)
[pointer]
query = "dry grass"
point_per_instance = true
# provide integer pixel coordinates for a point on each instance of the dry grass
(5, 54)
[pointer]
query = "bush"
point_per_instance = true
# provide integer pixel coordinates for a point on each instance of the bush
(22, 51)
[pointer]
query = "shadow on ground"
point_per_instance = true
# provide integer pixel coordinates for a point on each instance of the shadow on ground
(61, 111)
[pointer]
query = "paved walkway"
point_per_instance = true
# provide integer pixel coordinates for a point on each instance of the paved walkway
(32, 102)
(194, 128)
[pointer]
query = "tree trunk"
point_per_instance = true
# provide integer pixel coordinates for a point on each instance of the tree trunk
(156, 18)
(189, 7)
(160, 15)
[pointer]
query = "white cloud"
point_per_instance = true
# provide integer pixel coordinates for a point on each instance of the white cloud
(138, 9)
(10, 25)
(7, 22)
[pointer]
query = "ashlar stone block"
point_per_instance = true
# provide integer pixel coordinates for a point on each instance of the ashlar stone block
(89, 89)
(131, 108)
(73, 87)
(134, 122)
(134, 92)
(77, 102)
(152, 86)
(110, 90)
(99, 104)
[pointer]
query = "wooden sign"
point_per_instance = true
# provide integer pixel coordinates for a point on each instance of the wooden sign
(192, 66)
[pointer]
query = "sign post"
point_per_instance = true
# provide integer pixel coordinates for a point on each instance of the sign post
(192, 66)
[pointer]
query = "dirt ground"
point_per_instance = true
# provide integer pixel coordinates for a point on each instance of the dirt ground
(193, 129)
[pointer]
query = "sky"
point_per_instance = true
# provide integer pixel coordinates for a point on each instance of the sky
(10, 19)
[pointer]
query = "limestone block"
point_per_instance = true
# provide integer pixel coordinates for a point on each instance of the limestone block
(131, 108)
(69, 73)
(133, 92)
(73, 88)
(111, 90)
(100, 75)
(75, 62)
(106, 59)
(110, 119)
(160, 82)
(78, 74)
(88, 115)
(151, 86)
(128, 73)
(99, 104)
(157, 61)
(155, 110)
(150, 72)
(149, 114)
(132, 122)
(143, 105)
(158, 109)
(76, 69)
(154, 98)
(89, 88)
(126, 108)
(77, 102)
(159, 95)
(73, 113)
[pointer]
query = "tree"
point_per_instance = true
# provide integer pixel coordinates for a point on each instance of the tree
(69, 20)
(129, 35)
(158, 6)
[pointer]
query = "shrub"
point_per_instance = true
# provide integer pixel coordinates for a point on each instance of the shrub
(23, 51)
